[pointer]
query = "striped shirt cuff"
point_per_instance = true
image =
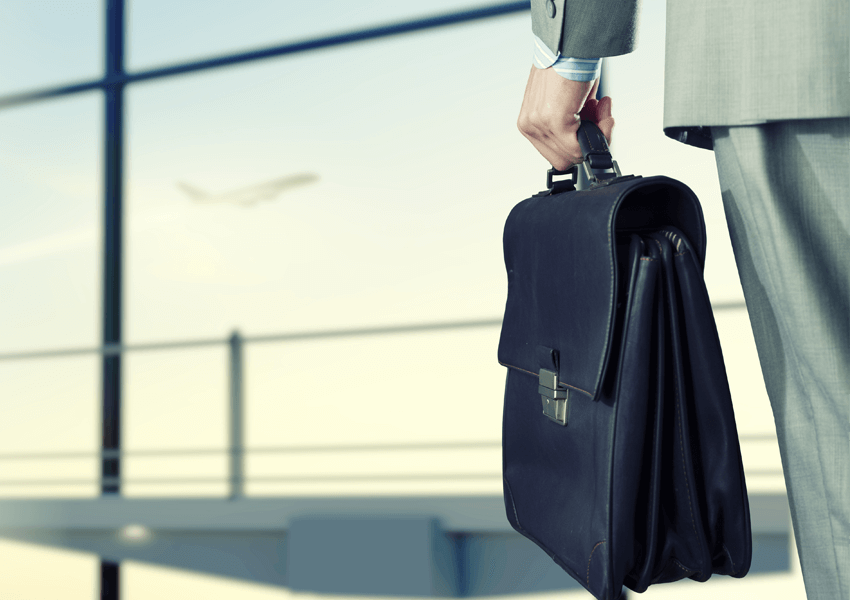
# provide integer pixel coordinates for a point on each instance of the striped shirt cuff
(576, 69)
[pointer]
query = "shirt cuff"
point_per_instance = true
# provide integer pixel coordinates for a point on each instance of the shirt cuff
(575, 69)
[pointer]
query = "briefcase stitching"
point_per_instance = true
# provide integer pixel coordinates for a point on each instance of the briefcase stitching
(660, 247)
(553, 555)
(683, 567)
(590, 558)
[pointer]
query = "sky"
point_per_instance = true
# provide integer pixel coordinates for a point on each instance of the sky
(418, 160)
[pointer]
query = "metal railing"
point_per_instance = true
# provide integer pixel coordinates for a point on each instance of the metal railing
(236, 449)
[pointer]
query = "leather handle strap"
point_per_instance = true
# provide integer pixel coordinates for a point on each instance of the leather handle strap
(594, 146)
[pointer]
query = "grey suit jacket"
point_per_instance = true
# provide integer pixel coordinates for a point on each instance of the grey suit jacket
(728, 62)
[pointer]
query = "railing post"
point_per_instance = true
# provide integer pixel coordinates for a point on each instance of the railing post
(237, 471)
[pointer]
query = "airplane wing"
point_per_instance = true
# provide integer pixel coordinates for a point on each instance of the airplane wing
(194, 193)
(250, 195)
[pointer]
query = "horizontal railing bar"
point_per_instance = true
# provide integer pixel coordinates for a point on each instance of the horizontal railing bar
(260, 450)
(113, 349)
(368, 331)
(372, 447)
(295, 478)
(758, 437)
(371, 33)
(729, 305)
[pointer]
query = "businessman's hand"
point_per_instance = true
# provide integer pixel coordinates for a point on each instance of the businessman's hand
(552, 110)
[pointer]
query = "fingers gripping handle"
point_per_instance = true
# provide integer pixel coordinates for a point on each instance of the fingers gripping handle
(597, 157)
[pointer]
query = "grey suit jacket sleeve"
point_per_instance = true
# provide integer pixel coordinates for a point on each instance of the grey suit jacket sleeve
(586, 28)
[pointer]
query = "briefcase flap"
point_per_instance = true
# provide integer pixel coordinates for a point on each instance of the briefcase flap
(563, 288)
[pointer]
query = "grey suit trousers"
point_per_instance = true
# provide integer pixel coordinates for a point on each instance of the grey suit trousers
(786, 193)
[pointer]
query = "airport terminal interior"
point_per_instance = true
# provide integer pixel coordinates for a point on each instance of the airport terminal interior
(253, 283)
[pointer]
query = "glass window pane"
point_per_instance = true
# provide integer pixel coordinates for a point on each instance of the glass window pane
(753, 415)
(43, 44)
(270, 199)
(57, 412)
(50, 276)
(434, 398)
(176, 400)
(267, 199)
(163, 32)
(50, 234)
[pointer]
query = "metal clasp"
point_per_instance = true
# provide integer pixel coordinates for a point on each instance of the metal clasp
(555, 400)
(562, 185)
(594, 179)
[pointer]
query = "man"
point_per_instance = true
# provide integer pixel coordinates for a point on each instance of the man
(766, 85)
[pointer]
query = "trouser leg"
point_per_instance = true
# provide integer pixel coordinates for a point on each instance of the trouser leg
(786, 193)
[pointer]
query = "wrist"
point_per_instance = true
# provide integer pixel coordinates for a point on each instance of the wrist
(574, 69)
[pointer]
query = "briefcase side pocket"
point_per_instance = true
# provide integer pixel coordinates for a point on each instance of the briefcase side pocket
(635, 464)
(714, 435)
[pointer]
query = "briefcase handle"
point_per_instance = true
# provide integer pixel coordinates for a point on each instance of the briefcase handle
(597, 157)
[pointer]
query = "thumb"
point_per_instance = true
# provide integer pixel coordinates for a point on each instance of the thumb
(604, 120)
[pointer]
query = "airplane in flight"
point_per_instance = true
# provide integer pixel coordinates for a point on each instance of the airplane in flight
(249, 195)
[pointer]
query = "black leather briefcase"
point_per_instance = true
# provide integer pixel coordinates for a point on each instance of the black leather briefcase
(620, 452)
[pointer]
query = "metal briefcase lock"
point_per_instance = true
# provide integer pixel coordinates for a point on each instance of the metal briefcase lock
(555, 400)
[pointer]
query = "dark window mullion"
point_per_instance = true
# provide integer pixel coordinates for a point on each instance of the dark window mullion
(113, 238)
(112, 271)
